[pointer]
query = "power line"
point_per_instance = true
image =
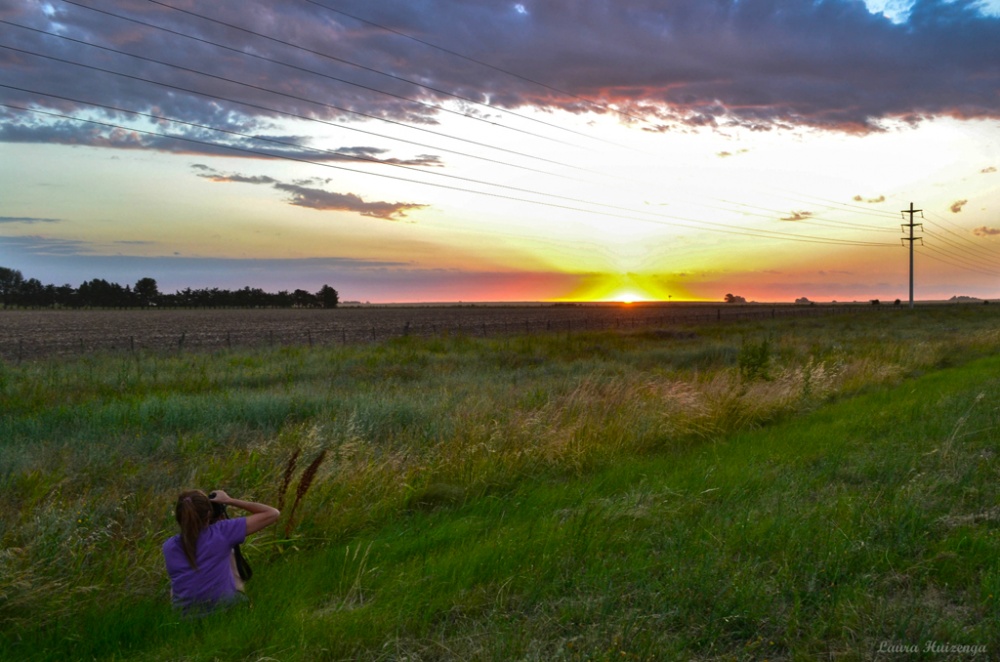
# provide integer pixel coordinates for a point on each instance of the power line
(955, 264)
(963, 252)
(371, 69)
(703, 224)
(982, 250)
(674, 220)
(283, 94)
(276, 111)
(589, 102)
(297, 67)
(764, 233)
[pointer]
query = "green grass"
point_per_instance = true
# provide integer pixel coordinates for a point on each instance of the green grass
(582, 496)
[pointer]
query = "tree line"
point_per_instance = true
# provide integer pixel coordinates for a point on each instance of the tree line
(18, 291)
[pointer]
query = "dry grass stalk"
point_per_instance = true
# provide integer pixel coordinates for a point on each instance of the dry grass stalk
(304, 482)
(287, 479)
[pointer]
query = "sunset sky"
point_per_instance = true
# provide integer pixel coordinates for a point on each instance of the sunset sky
(482, 150)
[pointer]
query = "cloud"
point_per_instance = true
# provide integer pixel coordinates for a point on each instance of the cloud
(798, 216)
(28, 220)
(758, 64)
(45, 246)
(198, 141)
(986, 232)
(301, 195)
(873, 201)
(956, 206)
(314, 198)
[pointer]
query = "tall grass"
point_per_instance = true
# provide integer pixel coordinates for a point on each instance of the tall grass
(93, 452)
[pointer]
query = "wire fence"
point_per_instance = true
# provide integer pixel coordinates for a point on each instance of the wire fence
(32, 334)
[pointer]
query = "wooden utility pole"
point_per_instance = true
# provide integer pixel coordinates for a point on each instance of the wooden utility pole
(911, 211)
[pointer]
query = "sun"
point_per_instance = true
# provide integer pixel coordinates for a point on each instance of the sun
(628, 297)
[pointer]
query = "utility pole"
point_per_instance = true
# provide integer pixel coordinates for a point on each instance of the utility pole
(911, 211)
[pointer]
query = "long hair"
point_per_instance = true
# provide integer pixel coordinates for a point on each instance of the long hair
(193, 512)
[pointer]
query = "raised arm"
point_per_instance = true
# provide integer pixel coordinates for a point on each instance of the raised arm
(261, 515)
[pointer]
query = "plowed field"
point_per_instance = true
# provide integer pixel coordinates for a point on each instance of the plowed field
(26, 334)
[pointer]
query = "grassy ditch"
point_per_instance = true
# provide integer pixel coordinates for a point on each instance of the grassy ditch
(786, 490)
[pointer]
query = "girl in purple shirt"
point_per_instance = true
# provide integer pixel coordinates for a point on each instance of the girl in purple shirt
(200, 559)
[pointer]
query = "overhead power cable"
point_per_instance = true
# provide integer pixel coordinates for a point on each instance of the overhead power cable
(945, 260)
(295, 115)
(467, 58)
(972, 245)
(589, 102)
(319, 150)
(673, 220)
(376, 71)
(727, 228)
(296, 67)
(966, 254)
(283, 94)
(631, 182)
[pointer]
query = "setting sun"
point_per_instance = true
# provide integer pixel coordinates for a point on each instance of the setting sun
(628, 297)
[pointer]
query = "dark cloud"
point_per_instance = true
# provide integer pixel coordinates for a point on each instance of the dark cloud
(956, 206)
(798, 216)
(314, 198)
(302, 195)
(986, 232)
(758, 64)
(872, 201)
(192, 140)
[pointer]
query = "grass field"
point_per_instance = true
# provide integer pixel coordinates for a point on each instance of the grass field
(786, 489)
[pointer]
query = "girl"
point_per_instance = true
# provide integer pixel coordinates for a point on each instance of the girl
(200, 559)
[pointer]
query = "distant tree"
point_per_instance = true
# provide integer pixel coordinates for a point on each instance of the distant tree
(304, 299)
(328, 297)
(30, 294)
(10, 282)
(146, 292)
(732, 298)
(65, 295)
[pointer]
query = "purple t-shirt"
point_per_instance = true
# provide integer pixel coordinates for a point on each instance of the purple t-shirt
(213, 581)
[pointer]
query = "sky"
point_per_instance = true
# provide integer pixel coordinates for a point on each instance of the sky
(487, 151)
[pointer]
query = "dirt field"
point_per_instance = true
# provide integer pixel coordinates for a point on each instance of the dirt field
(26, 334)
